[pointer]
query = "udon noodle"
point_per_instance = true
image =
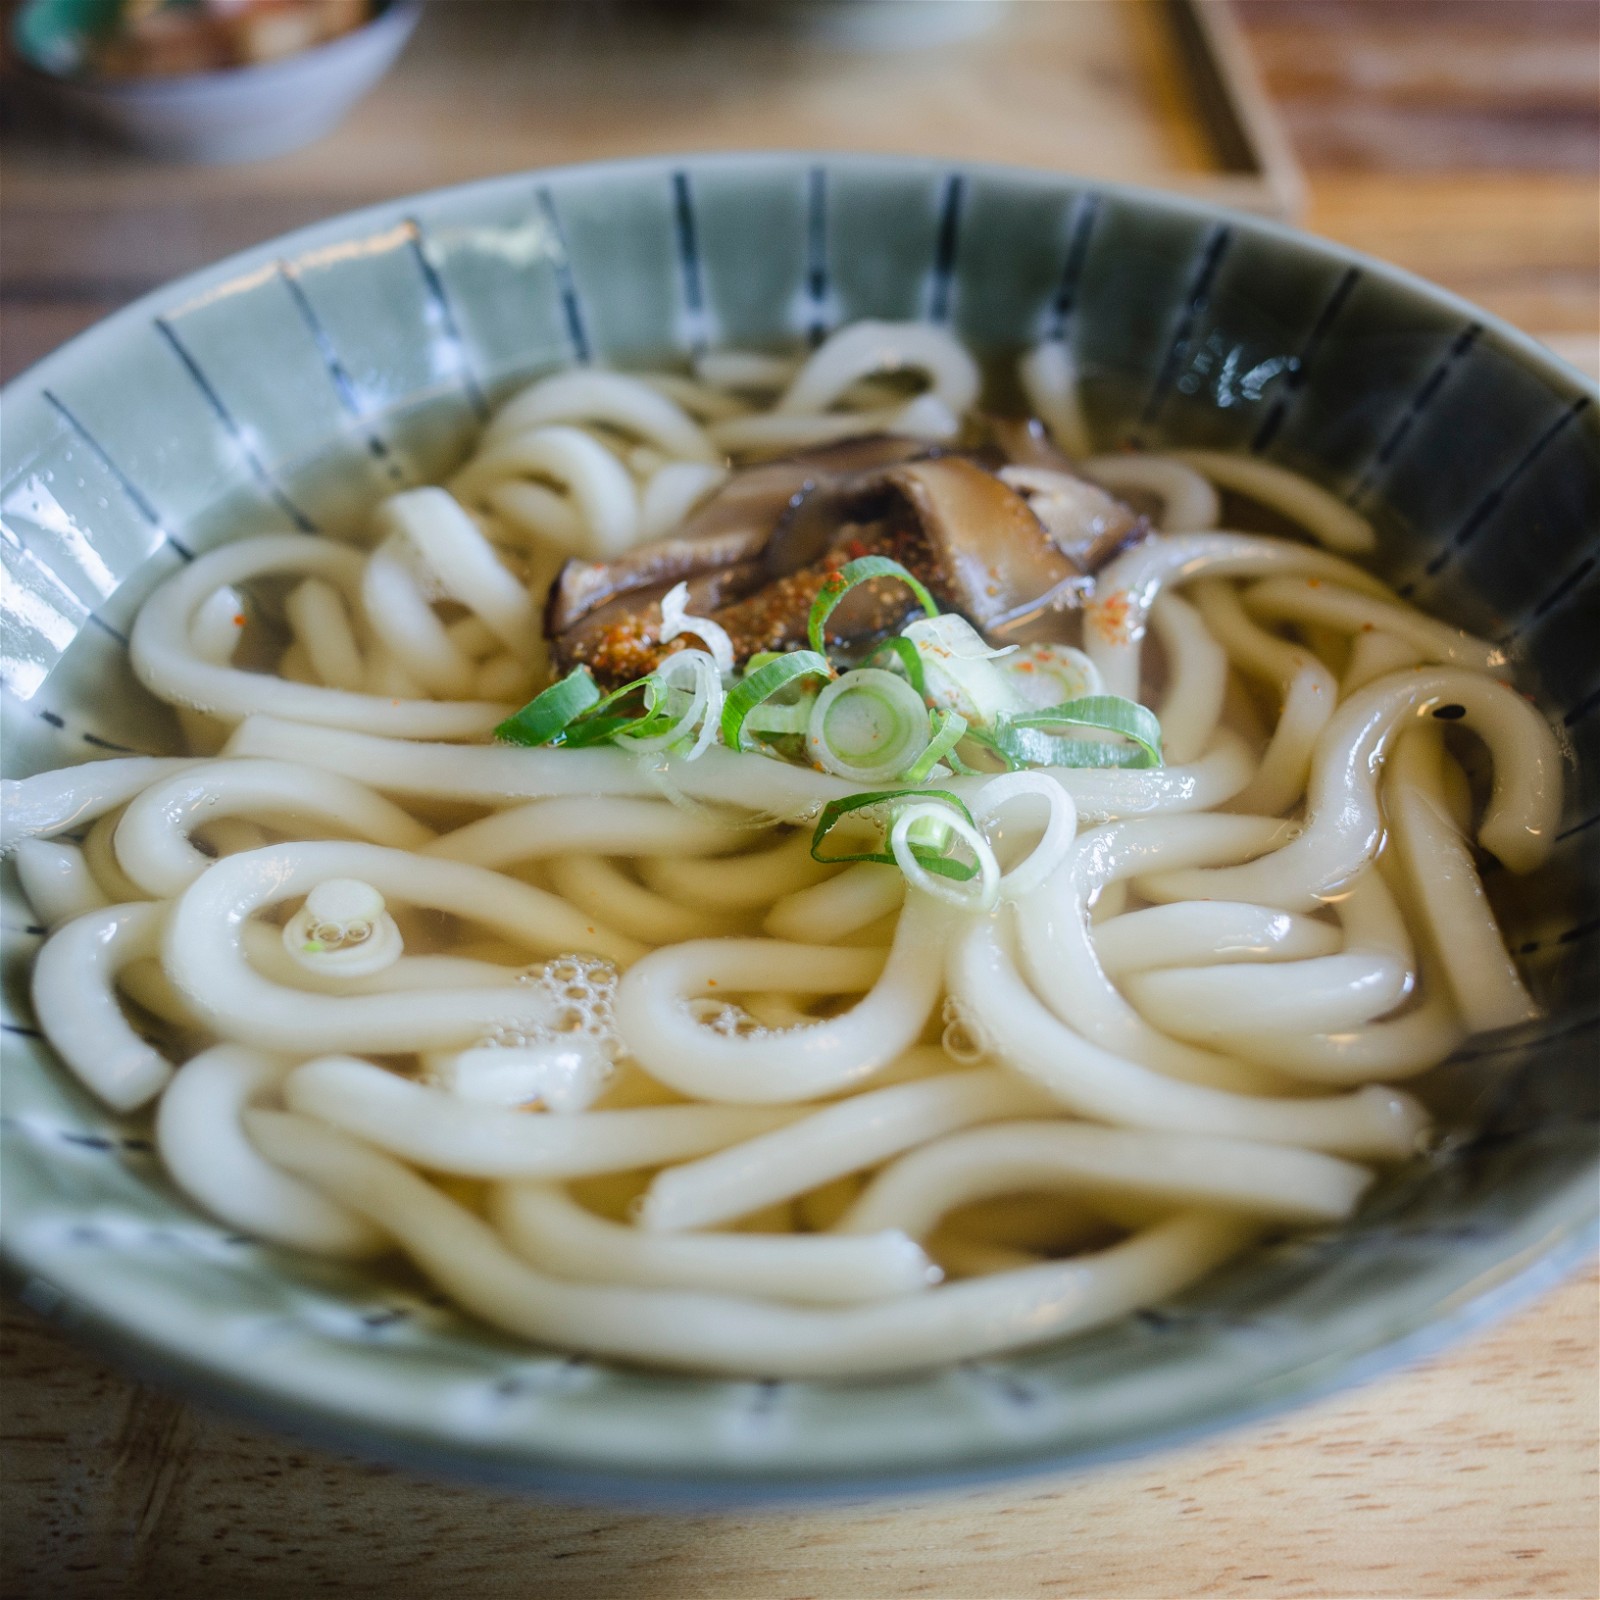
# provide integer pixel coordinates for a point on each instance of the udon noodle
(599, 1035)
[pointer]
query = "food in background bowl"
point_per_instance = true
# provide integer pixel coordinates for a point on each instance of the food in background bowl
(157, 38)
(857, 904)
(296, 386)
(215, 82)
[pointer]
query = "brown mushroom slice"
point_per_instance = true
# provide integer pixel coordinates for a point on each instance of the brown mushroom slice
(995, 559)
(582, 587)
(620, 640)
(1026, 442)
(1085, 522)
(732, 527)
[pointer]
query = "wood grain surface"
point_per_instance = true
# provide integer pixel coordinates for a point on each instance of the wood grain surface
(1472, 1476)
(1460, 138)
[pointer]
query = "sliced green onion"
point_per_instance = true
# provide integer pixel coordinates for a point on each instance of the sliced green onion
(760, 685)
(892, 801)
(702, 711)
(1061, 821)
(1045, 675)
(1022, 748)
(920, 873)
(961, 671)
(596, 726)
(862, 570)
(1011, 763)
(675, 620)
(1108, 712)
(949, 729)
(867, 725)
(905, 652)
(548, 715)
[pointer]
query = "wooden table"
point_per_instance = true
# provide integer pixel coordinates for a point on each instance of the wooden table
(1457, 137)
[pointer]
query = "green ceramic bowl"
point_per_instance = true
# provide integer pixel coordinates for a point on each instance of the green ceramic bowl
(290, 385)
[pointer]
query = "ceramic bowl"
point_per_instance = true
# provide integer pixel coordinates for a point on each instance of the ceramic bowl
(289, 386)
(238, 114)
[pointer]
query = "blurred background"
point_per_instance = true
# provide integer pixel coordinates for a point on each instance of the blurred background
(1459, 138)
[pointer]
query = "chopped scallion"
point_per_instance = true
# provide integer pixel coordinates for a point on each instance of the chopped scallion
(854, 573)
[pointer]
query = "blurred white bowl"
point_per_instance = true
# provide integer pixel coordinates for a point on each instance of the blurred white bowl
(237, 113)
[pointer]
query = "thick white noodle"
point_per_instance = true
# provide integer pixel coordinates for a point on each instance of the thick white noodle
(1094, 1083)
(1188, 502)
(1332, 606)
(1101, 793)
(497, 774)
(1322, 994)
(1447, 891)
(745, 371)
(1375, 655)
(734, 1334)
(74, 998)
(914, 1193)
(396, 600)
(204, 952)
(854, 1135)
(463, 564)
(1058, 950)
(739, 882)
(1344, 826)
(865, 349)
(853, 899)
(701, 399)
(926, 417)
(99, 854)
(152, 839)
(321, 625)
(1197, 678)
(600, 489)
(1309, 694)
(69, 798)
(1207, 933)
(624, 402)
(539, 513)
(57, 881)
(263, 945)
(600, 887)
(203, 1144)
(172, 670)
(1049, 850)
(548, 1228)
(1323, 515)
(1049, 377)
(672, 492)
(599, 824)
(1115, 618)
(444, 1133)
(790, 1064)
(1417, 1038)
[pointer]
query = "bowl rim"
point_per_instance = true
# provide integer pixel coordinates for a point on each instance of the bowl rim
(1563, 377)
(392, 16)
(1571, 1229)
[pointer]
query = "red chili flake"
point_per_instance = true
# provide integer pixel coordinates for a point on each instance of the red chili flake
(1110, 617)
(1313, 583)
(238, 619)
(1023, 666)
(711, 983)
